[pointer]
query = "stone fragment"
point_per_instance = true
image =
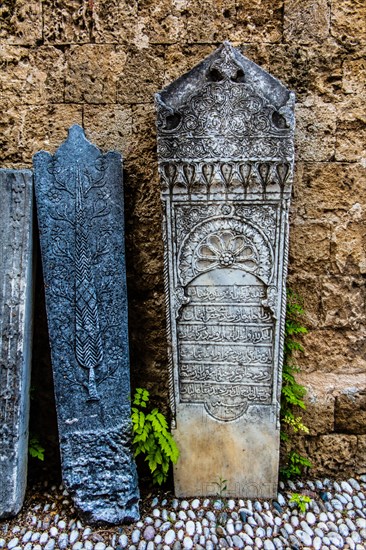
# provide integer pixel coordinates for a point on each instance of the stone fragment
(80, 214)
(225, 146)
(350, 412)
(16, 310)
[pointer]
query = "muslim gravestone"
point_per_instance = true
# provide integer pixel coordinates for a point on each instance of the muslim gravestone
(16, 303)
(225, 147)
(81, 221)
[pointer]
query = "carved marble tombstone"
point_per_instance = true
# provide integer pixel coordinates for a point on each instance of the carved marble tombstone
(225, 147)
(16, 309)
(79, 198)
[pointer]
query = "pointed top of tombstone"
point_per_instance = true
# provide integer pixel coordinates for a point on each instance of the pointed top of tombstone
(76, 146)
(211, 111)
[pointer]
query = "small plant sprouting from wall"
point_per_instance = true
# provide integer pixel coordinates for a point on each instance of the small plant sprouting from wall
(35, 449)
(293, 393)
(152, 437)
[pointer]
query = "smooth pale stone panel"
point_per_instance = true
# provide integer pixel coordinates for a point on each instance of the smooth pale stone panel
(16, 323)
(79, 197)
(226, 155)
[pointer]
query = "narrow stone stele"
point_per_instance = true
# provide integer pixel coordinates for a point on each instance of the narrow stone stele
(79, 198)
(16, 312)
(226, 156)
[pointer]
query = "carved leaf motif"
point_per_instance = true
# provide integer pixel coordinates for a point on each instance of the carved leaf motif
(88, 341)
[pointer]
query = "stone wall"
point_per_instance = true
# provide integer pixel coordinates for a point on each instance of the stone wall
(99, 63)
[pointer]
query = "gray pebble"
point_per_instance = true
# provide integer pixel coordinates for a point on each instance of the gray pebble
(149, 533)
(123, 541)
(195, 503)
(25, 538)
(210, 516)
(336, 539)
(78, 545)
(43, 539)
(74, 535)
(354, 484)
(304, 537)
(135, 537)
(63, 541)
(142, 545)
(175, 503)
(237, 541)
(165, 526)
(50, 544)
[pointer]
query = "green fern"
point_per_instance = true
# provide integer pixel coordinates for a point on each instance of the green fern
(293, 393)
(152, 437)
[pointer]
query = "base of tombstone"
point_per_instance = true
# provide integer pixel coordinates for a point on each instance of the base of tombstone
(241, 455)
(100, 474)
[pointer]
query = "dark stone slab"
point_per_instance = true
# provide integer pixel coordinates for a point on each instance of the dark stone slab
(16, 308)
(79, 197)
(226, 155)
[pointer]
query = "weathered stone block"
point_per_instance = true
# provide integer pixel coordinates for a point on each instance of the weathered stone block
(354, 75)
(315, 132)
(350, 142)
(80, 213)
(225, 146)
(44, 126)
(92, 73)
(16, 311)
(141, 75)
(342, 302)
(328, 192)
(319, 413)
(116, 21)
(310, 243)
(334, 351)
(348, 251)
(21, 22)
(246, 21)
(306, 20)
(361, 455)
(110, 125)
(161, 22)
(67, 22)
(350, 412)
(348, 19)
(31, 76)
(332, 453)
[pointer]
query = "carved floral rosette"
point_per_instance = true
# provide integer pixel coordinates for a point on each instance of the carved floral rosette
(226, 155)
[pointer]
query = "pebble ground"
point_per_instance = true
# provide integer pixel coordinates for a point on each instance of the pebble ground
(335, 518)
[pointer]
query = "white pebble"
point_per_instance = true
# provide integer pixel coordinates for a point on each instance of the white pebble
(156, 513)
(74, 535)
(13, 543)
(195, 503)
(184, 504)
(187, 543)
(50, 544)
(43, 539)
(190, 528)
(268, 545)
(169, 536)
(310, 518)
(99, 546)
(25, 538)
(123, 541)
(135, 537)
